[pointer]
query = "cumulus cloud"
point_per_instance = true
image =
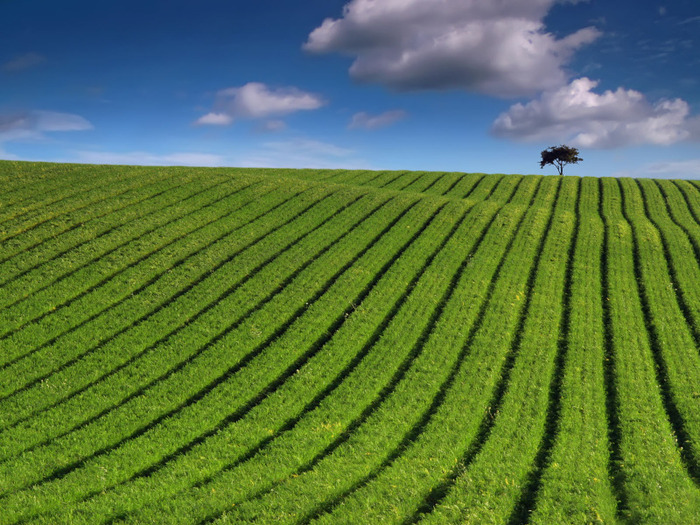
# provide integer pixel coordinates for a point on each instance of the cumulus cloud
(25, 61)
(140, 158)
(256, 100)
(364, 120)
(33, 124)
(576, 115)
(496, 47)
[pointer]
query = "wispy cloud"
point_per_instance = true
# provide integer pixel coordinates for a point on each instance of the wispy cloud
(271, 126)
(364, 120)
(4, 155)
(302, 153)
(689, 20)
(141, 158)
(32, 125)
(685, 169)
(256, 100)
(25, 61)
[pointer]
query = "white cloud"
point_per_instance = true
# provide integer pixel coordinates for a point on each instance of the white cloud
(576, 115)
(496, 47)
(140, 158)
(215, 119)
(302, 153)
(32, 125)
(364, 120)
(256, 100)
(25, 61)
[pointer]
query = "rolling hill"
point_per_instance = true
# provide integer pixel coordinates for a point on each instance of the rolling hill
(200, 345)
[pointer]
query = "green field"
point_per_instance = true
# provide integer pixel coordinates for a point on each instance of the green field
(200, 345)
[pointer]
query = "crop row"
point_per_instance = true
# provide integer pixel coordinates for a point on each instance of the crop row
(36, 199)
(647, 335)
(654, 484)
(347, 346)
(112, 301)
(576, 483)
(201, 287)
(454, 185)
(90, 207)
(335, 434)
(368, 226)
(212, 362)
(337, 355)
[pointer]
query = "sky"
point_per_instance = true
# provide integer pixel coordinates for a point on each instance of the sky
(431, 85)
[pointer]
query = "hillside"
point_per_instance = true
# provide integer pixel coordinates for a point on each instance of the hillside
(228, 345)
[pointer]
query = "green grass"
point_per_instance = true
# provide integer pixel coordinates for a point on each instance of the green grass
(195, 345)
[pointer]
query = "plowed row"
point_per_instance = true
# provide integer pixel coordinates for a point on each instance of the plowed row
(184, 345)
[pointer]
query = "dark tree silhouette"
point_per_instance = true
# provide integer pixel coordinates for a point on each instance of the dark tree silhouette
(559, 156)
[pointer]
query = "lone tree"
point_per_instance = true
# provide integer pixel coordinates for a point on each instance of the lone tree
(558, 156)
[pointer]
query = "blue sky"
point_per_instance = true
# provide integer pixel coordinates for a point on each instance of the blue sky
(443, 85)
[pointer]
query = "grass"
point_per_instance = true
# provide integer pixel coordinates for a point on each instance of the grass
(193, 345)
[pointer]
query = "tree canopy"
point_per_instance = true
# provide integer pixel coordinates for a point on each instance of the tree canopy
(558, 156)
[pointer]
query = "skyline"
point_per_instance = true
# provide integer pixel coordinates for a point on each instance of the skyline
(432, 85)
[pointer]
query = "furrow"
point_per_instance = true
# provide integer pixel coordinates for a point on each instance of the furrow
(433, 178)
(336, 360)
(25, 371)
(211, 214)
(70, 219)
(363, 178)
(222, 382)
(413, 178)
(314, 348)
(360, 376)
(36, 202)
(616, 474)
(393, 176)
(690, 197)
(30, 282)
(575, 485)
(167, 322)
(341, 452)
(677, 363)
(42, 305)
(552, 424)
(657, 487)
(331, 507)
(470, 186)
(677, 243)
(164, 278)
(689, 269)
(451, 186)
(440, 184)
(467, 425)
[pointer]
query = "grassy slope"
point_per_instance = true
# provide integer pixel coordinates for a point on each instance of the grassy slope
(246, 345)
